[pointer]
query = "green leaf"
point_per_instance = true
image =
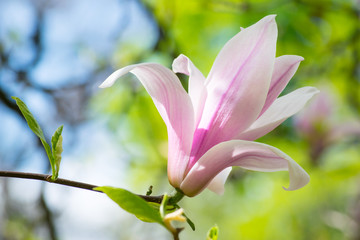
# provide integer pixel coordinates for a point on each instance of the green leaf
(31, 121)
(54, 153)
(213, 233)
(48, 153)
(132, 204)
(191, 224)
(35, 127)
(56, 144)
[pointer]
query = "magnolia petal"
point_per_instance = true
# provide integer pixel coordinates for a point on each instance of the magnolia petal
(197, 90)
(119, 73)
(249, 155)
(283, 108)
(237, 85)
(284, 69)
(174, 106)
(217, 184)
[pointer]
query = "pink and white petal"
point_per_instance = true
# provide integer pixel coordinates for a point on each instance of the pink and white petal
(249, 155)
(283, 108)
(109, 81)
(237, 85)
(174, 106)
(284, 69)
(197, 90)
(217, 184)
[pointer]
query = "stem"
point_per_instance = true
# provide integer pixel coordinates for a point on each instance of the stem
(69, 183)
(176, 196)
(176, 236)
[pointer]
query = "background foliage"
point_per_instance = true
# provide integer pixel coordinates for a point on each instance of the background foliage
(55, 54)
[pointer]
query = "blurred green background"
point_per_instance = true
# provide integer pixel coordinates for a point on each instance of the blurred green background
(123, 125)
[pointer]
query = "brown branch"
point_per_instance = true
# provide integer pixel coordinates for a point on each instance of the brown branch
(66, 182)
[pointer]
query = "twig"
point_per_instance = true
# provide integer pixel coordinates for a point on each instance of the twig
(66, 182)
(176, 234)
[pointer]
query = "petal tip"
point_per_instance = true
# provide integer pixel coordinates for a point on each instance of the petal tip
(314, 91)
(304, 179)
(290, 59)
(268, 20)
(179, 64)
(110, 80)
(298, 59)
(270, 17)
(104, 85)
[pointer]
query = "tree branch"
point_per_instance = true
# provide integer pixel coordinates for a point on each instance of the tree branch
(66, 182)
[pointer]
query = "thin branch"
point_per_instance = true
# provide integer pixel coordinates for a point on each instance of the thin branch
(66, 182)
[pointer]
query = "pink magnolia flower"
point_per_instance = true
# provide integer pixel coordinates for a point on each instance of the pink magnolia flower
(213, 126)
(316, 124)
